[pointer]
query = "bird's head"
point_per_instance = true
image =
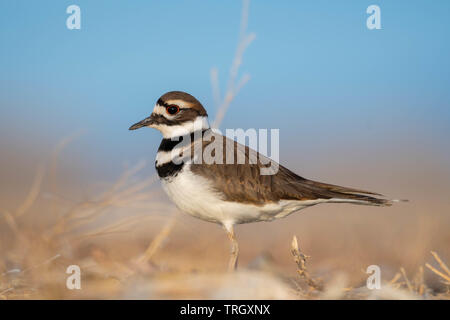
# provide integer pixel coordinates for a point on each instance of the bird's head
(176, 114)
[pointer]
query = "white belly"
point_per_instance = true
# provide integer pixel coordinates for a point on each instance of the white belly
(194, 195)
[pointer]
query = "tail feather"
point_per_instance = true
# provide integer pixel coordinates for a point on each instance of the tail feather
(303, 188)
(363, 200)
(349, 195)
(340, 189)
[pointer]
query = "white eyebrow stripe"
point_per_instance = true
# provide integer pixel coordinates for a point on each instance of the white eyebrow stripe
(161, 110)
(178, 102)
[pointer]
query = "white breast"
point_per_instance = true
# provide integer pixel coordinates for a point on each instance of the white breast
(195, 195)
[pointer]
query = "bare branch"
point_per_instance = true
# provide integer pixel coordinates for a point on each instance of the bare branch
(233, 85)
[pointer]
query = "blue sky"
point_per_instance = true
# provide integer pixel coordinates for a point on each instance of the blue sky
(317, 72)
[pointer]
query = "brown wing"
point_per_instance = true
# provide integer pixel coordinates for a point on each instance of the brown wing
(244, 182)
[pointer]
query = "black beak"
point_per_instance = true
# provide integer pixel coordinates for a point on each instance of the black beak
(144, 123)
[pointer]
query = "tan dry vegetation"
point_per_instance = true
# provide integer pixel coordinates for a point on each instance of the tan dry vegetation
(131, 243)
(157, 253)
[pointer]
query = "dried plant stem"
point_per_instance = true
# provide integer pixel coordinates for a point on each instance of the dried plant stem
(441, 263)
(233, 85)
(395, 278)
(419, 283)
(6, 291)
(446, 275)
(300, 260)
(33, 193)
(408, 283)
(157, 241)
(42, 263)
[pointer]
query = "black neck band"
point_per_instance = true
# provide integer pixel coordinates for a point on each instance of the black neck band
(169, 144)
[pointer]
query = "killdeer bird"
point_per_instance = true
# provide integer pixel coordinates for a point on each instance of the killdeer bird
(228, 192)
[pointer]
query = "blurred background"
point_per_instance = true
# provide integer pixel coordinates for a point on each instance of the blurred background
(355, 107)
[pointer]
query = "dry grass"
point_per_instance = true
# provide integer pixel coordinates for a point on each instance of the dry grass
(35, 256)
(36, 252)
(130, 242)
(400, 287)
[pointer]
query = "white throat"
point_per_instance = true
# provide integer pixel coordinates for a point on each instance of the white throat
(168, 132)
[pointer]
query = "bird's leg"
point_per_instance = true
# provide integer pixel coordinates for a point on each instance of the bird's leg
(232, 265)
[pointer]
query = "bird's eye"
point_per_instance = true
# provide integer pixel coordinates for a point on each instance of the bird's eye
(173, 109)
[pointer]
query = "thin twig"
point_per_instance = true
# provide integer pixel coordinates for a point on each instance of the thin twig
(56, 153)
(441, 263)
(42, 263)
(34, 192)
(300, 260)
(6, 290)
(157, 241)
(395, 278)
(437, 272)
(408, 284)
(233, 85)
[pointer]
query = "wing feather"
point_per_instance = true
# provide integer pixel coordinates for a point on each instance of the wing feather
(244, 182)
